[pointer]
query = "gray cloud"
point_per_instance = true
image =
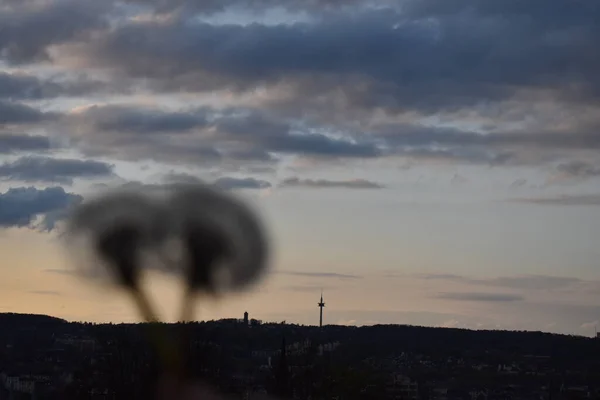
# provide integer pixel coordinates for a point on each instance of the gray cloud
(324, 183)
(308, 288)
(241, 183)
(439, 276)
(60, 271)
(175, 177)
(578, 169)
(21, 207)
(564, 200)
(332, 275)
(527, 282)
(10, 143)
(46, 292)
(414, 136)
(458, 179)
(467, 296)
(541, 282)
(44, 169)
(225, 182)
(517, 183)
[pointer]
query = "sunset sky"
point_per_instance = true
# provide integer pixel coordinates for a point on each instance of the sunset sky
(429, 162)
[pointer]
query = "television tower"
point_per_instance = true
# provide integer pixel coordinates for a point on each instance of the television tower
(321, 305)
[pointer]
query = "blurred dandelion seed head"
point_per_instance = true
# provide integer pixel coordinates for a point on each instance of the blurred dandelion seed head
(212, 240)
(222, 235)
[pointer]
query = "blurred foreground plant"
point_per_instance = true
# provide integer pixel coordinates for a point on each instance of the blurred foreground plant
(214, 241)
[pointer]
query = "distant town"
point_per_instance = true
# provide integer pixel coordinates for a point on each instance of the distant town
(43, 357)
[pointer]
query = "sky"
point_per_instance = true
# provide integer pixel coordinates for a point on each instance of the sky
(426, 162)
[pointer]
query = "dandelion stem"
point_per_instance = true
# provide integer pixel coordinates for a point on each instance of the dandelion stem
(167, 352)
(188, 305)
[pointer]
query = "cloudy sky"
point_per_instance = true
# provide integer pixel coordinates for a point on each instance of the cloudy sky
(429, 162)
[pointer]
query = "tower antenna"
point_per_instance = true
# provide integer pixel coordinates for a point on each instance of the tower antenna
(321, 305)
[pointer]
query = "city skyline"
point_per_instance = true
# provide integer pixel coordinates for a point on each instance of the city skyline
(426, 162)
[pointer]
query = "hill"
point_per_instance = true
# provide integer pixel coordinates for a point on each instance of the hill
(39, 319)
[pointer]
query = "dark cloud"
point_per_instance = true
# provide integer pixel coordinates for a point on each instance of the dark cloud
(332, 275)
(429, 57)
(557, 14)
(29, 27)
(29, 87)
(176, 177)
(15, 113)
(22, 143)
(19, 86)
(186, 152)
(229, 183)
(466, 55)
(491, 297)
(319, 145)
(44, 169)
(252, 137)
(209, 7)
(283, 137)
(139, 120)
(21, 207)
(564, 200)
(219, 136)
(139, 147)
(323, 183)
(457, 154)
(252, 155)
